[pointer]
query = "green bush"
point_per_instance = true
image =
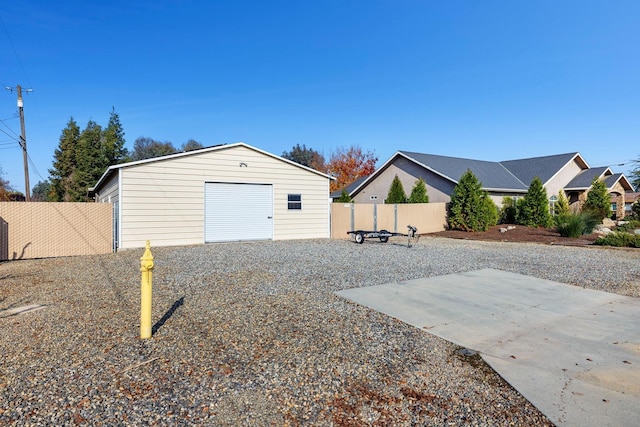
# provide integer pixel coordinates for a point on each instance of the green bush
(508, 211)
(562, 204)
(533, 208)
(630, 225)
(396, 192)
(419, 192)
(598, 199)
(575, 225)
(470, 208)
(622, 240)
(635, 208)
(344, 197)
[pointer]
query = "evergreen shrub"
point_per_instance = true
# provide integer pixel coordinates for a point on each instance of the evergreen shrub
(619, 239)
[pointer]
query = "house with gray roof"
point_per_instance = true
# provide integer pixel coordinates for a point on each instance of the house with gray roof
(568, 172)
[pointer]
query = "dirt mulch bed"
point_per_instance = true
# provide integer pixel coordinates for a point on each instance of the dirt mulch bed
(520, 234)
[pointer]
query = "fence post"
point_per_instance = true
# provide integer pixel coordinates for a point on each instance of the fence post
(375, 217)
(395, 218)
(353, 216)
(146, 267)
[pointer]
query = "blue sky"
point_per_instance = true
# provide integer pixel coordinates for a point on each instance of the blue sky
(491, 80)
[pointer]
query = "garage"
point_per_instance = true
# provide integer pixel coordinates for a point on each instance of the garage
(237, 212)
(222, 193)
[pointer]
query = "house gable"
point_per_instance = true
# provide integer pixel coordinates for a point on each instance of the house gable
(545, 167)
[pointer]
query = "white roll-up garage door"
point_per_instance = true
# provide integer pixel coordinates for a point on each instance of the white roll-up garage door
(235, 212)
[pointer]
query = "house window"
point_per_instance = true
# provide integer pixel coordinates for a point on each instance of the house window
(294, 202)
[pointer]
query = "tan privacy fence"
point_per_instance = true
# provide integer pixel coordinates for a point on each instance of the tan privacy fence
(427, 217)
(41, 230)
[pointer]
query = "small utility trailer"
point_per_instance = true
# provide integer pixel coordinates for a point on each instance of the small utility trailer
(383, 235)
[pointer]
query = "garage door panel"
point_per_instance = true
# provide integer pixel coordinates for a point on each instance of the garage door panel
(235, 212)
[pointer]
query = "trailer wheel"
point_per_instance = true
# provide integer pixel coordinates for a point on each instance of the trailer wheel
(384, 239)
(359, 238)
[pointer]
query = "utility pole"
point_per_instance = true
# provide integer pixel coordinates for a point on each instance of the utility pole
(23, 141)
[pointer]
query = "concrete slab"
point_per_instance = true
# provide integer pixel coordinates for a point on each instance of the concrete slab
(574, 353)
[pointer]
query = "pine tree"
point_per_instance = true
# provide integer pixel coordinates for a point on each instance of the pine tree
(91, 161)
(64, 163)
(562, 204)
(598, 199)
(533, 209)
(419, 192)
(471, 208)
(114, 151)
(396, 192)
(344, 197)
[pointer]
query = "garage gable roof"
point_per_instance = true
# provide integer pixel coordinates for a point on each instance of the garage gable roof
(111, 169)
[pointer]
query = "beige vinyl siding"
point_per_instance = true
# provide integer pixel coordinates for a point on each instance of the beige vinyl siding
(163, 201)
(109, 191)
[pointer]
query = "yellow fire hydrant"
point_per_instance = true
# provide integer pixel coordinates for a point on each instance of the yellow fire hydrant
(146, 267)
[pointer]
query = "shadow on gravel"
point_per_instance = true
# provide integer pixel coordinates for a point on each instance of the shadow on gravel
(167, 315)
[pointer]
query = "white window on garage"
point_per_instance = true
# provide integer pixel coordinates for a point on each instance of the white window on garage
(294, 202)
(238, 212)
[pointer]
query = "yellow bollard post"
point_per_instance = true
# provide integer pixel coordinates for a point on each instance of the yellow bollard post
(146, 265)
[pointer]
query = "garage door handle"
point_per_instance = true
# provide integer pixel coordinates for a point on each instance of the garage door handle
(269, 217)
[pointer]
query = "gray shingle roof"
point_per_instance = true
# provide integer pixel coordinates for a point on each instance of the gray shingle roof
(349, 188)
(585, 178)
(492, 174)
(542, 167)
(610, 180)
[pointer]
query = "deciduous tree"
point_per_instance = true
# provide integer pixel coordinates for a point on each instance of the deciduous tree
(635, 174)
(191, 145)
(347, 165)
(5, 188)
(40, 191)
(147, 148)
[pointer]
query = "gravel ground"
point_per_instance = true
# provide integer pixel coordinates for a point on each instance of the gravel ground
(252, 334)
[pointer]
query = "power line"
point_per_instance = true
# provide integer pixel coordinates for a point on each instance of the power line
(15, 52)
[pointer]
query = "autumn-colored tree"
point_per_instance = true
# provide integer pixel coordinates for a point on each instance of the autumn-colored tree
(5, 188)
(347, 165)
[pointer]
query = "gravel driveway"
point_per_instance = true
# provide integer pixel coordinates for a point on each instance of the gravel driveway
(252, 334)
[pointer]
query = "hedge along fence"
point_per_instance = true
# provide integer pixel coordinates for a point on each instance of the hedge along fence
(43, 230)
(427, 217)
